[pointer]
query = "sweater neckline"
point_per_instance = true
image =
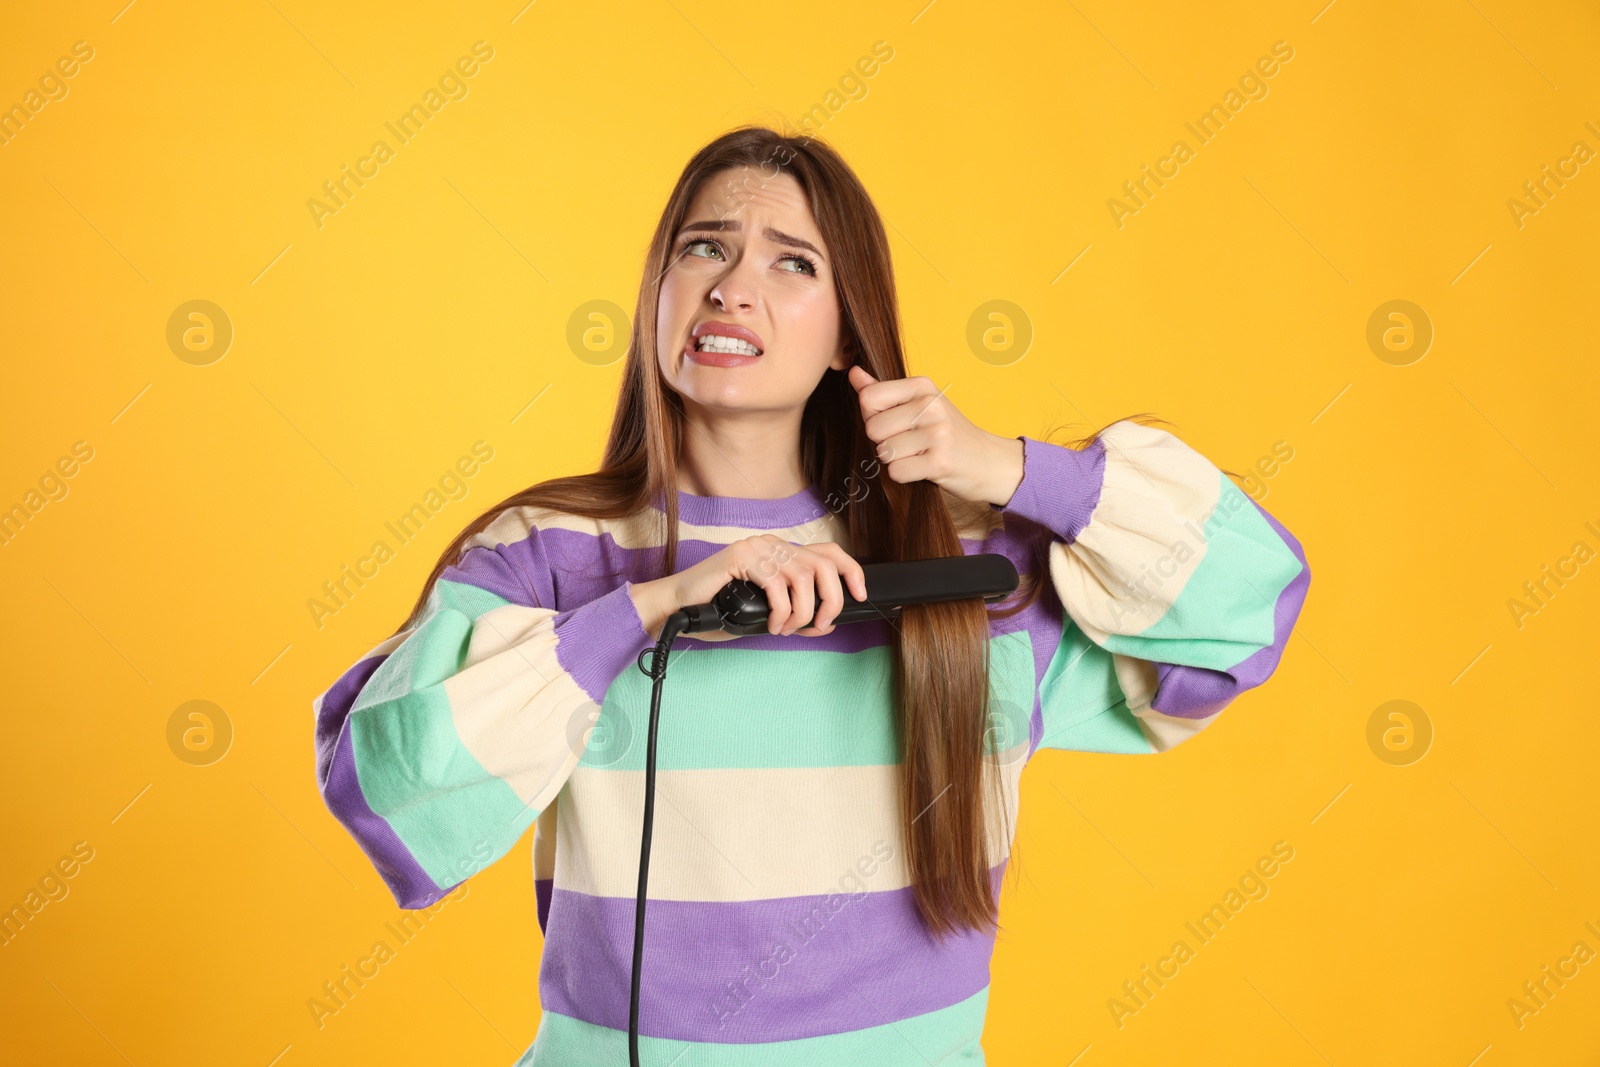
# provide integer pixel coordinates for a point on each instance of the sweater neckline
(761, 513)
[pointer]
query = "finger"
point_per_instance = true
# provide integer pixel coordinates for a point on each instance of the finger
(916, 468)
(802, 580)
(881, 396)
(832, 595)
(904, 446)
(917, 413)
(848, 567)
(777, 590)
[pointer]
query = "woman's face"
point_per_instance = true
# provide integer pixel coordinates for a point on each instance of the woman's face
(750, 262)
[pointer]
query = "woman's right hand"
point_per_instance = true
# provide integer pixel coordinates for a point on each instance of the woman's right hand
(804, 584)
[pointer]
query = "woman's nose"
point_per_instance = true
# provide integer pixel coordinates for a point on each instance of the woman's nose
(738, 288)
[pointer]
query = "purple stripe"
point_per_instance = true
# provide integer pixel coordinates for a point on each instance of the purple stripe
(763, 970)
(527, 557)
(341, 791)
(598, 641)
(1060, 486)
(573, 553)
(793, 510)
(1194, 692)
(541, 897)
(494, 570)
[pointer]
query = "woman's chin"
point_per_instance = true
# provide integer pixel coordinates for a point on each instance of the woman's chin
(728, 399)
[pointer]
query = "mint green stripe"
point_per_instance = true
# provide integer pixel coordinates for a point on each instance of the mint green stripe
(1113, 730)
(448, 810)
(726, 707)
(1082, 703)
(1079, 684)
(947, 1036)
(1224, 614)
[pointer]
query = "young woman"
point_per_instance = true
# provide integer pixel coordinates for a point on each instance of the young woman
(835, 804)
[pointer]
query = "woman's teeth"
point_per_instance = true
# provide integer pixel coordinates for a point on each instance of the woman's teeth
(715, 342)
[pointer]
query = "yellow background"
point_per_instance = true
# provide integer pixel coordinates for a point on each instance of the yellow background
(428, 313)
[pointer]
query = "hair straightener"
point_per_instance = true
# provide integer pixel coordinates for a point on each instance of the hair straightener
(741, 608)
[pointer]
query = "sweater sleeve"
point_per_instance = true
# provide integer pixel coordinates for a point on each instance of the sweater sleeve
(442, 745)
(1179, 590)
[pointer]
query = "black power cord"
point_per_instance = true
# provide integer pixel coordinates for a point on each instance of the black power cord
(688, 620)
(693, 619)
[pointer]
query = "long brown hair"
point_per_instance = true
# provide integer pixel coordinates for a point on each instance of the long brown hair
(940, 651)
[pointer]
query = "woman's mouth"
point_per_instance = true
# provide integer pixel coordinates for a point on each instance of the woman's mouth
(717, 350)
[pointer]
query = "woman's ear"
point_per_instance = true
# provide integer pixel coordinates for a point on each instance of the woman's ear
(844, 358)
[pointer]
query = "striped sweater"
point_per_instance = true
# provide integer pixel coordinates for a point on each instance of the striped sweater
(781, 928)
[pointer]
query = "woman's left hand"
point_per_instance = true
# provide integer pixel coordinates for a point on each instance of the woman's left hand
(922, 436)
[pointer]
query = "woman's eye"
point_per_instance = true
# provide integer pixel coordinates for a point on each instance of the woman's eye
(804, 263)
(690, 245)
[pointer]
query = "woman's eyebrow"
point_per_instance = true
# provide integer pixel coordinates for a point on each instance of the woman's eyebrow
(734, 226)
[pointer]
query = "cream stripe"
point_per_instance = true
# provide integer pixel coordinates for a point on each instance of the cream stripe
(544, 841)
(1165, 731)
(974, 521)
(520, 715)
(1138, 680)
(643, 530)
(742, 834)
(1146, 530)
